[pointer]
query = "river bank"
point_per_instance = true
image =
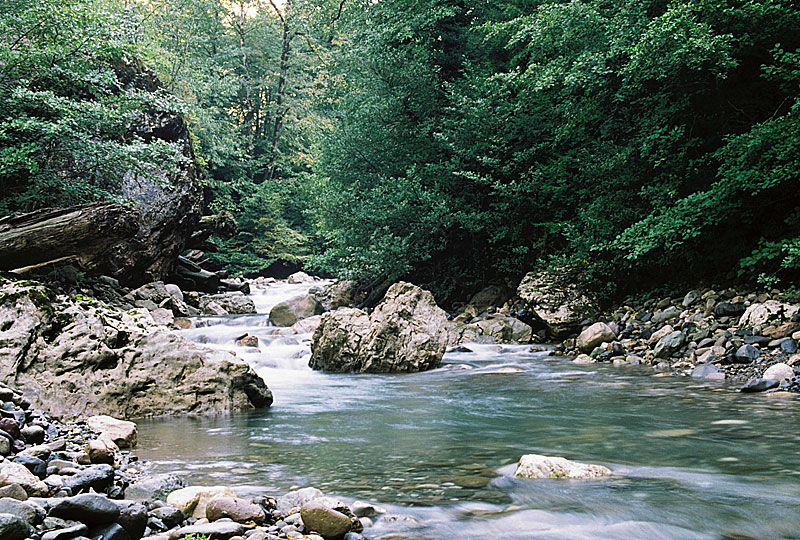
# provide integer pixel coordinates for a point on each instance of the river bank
(408, 442)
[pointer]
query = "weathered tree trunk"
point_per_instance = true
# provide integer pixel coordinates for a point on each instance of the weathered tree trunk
(83, 233)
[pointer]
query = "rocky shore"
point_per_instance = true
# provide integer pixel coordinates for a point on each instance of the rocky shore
(79, 480)
(750, 339)
(78, 347)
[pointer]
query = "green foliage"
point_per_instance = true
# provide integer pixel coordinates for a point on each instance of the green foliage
(626, 137)
(65, 117)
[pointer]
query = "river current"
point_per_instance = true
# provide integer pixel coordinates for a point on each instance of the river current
(690, 459)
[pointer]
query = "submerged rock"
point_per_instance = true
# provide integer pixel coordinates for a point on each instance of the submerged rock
(406, 332)
(538, 466)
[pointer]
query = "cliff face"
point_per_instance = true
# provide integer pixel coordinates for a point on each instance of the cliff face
(169, 206)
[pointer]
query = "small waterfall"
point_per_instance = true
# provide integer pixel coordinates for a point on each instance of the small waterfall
(278, 348)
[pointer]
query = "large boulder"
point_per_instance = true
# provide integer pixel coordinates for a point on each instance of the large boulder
(406, 332)
(558, 299)
(340, 294)
(234, 303)
(169, 205)
(594, 335)
(290, 311)
(538, 466)
(82, 358)
(505, 329)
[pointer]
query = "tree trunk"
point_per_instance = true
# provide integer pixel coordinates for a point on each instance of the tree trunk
(84, 234)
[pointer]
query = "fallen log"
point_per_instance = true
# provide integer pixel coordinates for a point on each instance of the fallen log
(83, 233)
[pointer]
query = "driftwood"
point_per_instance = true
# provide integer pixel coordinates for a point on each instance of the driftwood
(83, 234)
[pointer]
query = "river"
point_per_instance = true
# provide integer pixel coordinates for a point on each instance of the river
(437, 449)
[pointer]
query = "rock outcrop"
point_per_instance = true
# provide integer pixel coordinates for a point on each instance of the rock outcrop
(537, 466)
(557, 300)
(406, 332)
(83, 357)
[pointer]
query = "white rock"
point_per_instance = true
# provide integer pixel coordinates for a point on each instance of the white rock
(583, 359)
(122, 432)
(658, 334)
(594, 336)
(192, 501)
(538, 466)
(779, 372)
(14, 473)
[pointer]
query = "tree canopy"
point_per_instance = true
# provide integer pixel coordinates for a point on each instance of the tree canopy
(448, 142)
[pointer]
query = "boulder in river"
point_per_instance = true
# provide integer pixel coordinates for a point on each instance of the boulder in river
(290, 311)
(538, 466)
(234, 303)
(557, 299)
(82, 357)
(406, 332)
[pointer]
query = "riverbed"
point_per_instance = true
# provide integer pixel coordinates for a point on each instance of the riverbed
(691, 460)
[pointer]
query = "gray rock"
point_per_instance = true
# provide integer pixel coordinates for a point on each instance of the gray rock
(33, 434)
(594, 335)
(759, 385)
(789, 346)
(340, 294)
(132, 518)
(329, 523)
(96, 477)
(505, 329)
(558, 298)
(174, 291)
(66, 533)
(747, 353)
(668, 344)
(233, 303)
(666, 315)
(691, 298)
(779, 372)
(30, 512)
(110, 531)
(89, 508)
(169, 515)
(297, 498)
(299, 277)
(708, 371)
(290, 311)
(99, 360)
(406, 332)
(727, 309)
(14, 528)
(13, 491)
(538, 466)
(155, 488)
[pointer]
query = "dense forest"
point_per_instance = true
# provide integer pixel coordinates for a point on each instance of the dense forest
(642, 143)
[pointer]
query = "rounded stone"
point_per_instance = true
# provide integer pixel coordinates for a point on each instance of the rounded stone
(329, 523)
(238, 510)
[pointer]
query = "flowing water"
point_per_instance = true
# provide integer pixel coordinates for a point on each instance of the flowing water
(690, 460)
